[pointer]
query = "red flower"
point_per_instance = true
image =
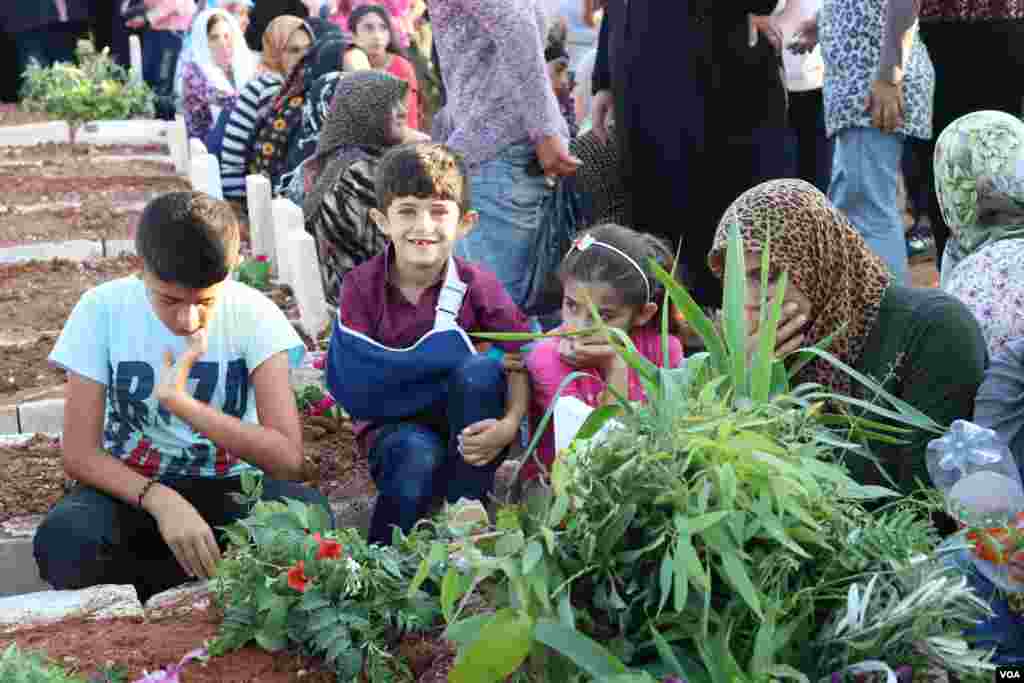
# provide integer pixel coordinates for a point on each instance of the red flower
(320, 362)
(262, 258)
(328, 549)
(297, 577)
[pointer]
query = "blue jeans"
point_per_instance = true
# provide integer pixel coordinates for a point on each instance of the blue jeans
(90, 538)
(1005, 630)
(509, 201)
(412, 462)
(160, 51)
(865, 172)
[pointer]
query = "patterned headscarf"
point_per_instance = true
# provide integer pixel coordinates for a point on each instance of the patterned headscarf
(979, 180)
(599, 179)
(357, 125)
(826, 259)
(275, 41)
(990, 282)
(282, 125)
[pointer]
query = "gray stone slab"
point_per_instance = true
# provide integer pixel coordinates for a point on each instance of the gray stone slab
(132, 132)
(9, 420)
(118, 247)
(97, 602)
(42, 416)
(34, 134)
(18, 571)
(73, 250)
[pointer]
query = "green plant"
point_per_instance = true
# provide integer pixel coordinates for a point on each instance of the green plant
(288, 580)
(94, 89)
(714, 535)
(255, 272)
(17, 666)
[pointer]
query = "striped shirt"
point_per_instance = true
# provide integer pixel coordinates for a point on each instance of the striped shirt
(253, 103)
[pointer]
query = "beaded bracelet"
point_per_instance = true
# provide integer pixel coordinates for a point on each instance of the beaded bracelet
(145, 490)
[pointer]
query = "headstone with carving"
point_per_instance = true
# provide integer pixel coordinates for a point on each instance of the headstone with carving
(135, 52)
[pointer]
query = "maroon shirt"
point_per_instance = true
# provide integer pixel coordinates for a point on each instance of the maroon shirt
(372, 304)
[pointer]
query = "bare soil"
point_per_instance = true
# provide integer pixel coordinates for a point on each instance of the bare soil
(137, 646)
(32, 476)
(36, 298)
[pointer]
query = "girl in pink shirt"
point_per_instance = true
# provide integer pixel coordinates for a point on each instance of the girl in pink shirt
(607, 266)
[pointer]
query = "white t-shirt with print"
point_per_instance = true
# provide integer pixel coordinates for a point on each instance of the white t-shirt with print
(114, 337)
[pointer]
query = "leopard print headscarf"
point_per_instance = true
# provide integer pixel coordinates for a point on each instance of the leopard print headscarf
(826, 259)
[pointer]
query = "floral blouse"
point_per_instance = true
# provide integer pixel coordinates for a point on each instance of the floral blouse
(199, 100)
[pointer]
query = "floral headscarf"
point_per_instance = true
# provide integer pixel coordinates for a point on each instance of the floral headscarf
(826, 259)
(357, 124)
(275, 41)
(990, 282)
(979, 180)
(282, 126)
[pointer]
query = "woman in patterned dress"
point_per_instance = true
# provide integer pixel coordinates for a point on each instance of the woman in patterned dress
(979, 178)
(220, 66)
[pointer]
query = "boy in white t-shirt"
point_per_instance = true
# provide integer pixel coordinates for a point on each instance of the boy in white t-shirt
(177, 383)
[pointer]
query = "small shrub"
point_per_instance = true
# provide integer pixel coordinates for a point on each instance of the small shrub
(17, 666)
(94, 89)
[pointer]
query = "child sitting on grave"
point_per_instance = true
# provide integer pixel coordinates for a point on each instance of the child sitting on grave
(177, 385)
(608, 267)
(433, 415)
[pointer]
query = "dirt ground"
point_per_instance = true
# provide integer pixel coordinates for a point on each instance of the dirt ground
(135, 646)
(32, 476)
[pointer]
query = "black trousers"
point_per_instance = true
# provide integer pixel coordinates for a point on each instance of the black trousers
(961, 53)
(811, 151)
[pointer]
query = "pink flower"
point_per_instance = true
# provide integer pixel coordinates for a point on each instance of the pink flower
(320, 363)
(262, 258)
(171, 674)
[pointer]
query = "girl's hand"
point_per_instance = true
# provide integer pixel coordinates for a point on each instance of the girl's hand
(174, 375)
(586, 352)
(481, 442)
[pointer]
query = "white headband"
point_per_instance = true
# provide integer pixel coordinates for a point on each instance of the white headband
(586, 241)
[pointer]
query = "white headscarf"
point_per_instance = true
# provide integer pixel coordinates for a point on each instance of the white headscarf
(243, 62)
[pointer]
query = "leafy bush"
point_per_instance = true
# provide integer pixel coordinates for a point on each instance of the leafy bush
(17, 666)
(93, 90)
(716, 534)
(287, 580)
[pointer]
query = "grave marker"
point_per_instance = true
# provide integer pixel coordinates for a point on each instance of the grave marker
(204, 174)
(196, 147)
(135, 51)
(300, 254)
(261, 218)
(288, 218)
(177, 143)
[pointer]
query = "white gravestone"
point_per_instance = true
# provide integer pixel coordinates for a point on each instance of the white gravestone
(288, 218)
(261, 220)
(177, 143)
(204, 174)
(135, 52)
(300, 253)
(196, 147)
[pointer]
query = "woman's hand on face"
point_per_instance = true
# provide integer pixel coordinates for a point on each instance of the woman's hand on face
(790, 335)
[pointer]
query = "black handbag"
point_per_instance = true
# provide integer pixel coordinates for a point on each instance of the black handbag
(560, 215)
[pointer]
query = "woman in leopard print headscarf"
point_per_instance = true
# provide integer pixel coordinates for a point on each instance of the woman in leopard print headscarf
(922, 344)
